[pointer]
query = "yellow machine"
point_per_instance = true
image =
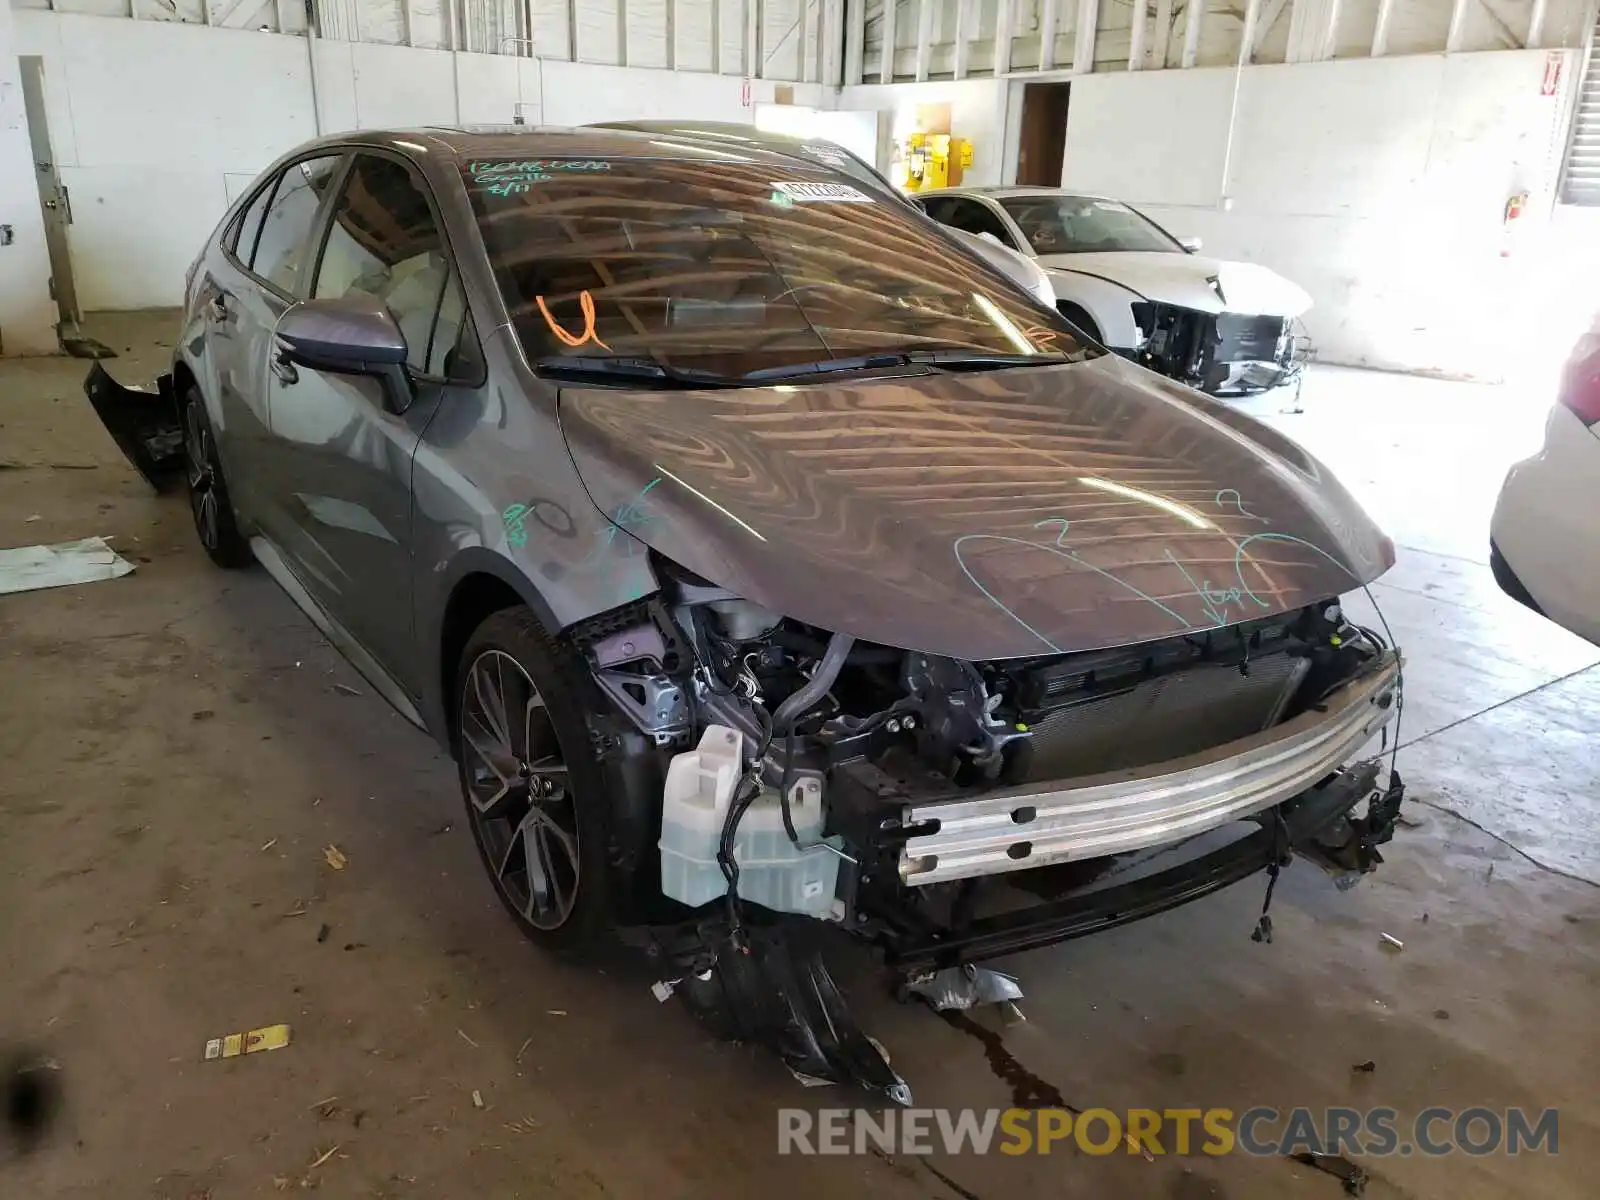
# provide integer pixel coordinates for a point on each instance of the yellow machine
(933, 160)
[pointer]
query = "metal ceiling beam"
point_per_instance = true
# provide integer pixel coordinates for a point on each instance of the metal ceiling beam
(924, 37)
(855, 42)
(1193, 18)
(1162, 36)
(1380, 28)
(1267, 15)
(1247, 35)
(1458, 24)
(1083, 37)
(1004, 24)
(1535, 25)
(1047, 34)
(886, 57)
(963, 37)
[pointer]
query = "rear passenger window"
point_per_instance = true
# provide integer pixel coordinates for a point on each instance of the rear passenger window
(384, 243)
(242, 241)
(285, 239)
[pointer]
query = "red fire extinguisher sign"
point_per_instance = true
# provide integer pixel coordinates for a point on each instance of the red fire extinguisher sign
(1552, 74)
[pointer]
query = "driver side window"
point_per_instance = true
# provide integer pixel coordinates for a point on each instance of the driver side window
(383, 242)
(972, 216)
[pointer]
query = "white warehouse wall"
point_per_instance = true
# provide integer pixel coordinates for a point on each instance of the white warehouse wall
(151, 170)
(27, 314)
(1378, 185)
(148, 167)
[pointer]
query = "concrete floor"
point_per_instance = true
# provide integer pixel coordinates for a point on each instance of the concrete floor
(178, 752)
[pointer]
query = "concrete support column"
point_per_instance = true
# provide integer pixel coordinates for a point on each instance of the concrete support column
(27, 314)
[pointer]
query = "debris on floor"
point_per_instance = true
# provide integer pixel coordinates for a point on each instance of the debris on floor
(770, 986)
(268, 1037)
(32, 568)
(964, 987)
(1390, 942)
(477, 1098)
(1365, 1068)
(344, 689)
(1341, 1168)
(334, 857)
(81, 345)
(323, 1157)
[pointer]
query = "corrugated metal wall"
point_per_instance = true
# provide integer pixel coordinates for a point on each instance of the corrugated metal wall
(1580, 176)
(789, 36)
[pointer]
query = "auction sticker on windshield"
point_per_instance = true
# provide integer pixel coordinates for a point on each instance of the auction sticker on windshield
(835, 193)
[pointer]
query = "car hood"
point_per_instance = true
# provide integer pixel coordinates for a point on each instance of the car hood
(1186, 280)
(1003, 514)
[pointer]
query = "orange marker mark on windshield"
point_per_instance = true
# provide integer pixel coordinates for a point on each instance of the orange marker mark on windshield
(586, 304)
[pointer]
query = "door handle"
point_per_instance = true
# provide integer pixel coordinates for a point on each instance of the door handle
(284, 369)
(218, 307)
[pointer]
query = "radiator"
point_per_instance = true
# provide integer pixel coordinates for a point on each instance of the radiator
(1163, 718)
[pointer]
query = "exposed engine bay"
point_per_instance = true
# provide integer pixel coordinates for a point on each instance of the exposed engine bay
(880, 790)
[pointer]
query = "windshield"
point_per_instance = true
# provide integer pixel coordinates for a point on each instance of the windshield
(1084, 225)
(732, 267)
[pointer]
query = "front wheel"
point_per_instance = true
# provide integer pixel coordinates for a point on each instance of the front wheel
(208, 492)
(535, 791)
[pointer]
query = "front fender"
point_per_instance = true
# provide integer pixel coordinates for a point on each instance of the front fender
(440, 588)
(1110, 304)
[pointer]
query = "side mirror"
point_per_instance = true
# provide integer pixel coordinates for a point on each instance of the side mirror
(990, 238)
(346, 335)
(1191, 244)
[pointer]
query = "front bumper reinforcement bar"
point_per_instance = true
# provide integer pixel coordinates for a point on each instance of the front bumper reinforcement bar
(1314, 825)
(1020, 828)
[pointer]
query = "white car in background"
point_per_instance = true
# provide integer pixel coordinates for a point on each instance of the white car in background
(1133, 287)
(1544, 540)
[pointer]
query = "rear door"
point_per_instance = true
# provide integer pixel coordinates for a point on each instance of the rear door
(342, 446)
(246, 288)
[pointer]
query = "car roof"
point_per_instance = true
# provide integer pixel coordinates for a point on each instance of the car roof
(493, 141)
(1002, 193)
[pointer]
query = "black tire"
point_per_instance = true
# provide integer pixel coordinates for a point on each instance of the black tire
(554, 754)
(1080, 320)
(209, 504)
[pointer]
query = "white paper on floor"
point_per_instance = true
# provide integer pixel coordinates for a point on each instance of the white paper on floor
(28, 568)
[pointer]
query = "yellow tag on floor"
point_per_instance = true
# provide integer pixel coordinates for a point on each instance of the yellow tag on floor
(269, 1037)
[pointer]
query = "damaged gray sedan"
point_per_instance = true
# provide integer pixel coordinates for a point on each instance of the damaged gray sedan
(768, 563)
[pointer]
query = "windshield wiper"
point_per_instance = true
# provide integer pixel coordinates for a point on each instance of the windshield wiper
(827, 366)
(948, 360)
(983, 360)
(620, 369)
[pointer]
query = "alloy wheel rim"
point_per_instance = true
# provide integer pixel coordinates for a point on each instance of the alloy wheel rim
(198, 453)
(518, 787)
